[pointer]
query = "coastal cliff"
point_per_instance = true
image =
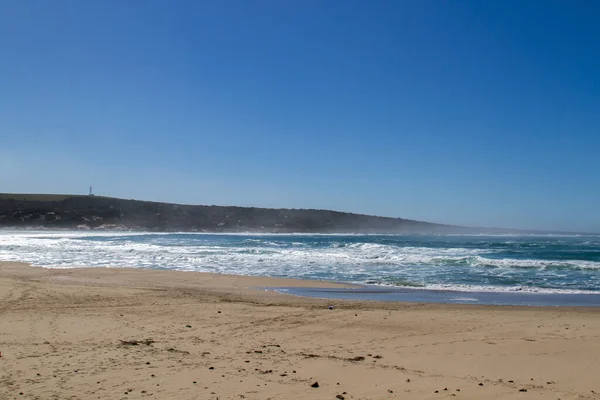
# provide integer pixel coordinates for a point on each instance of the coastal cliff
(97, 212)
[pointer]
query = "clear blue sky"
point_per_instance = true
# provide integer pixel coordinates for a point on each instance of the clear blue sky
(480, 113)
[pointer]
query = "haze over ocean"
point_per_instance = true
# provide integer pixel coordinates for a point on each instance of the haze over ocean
(468, 113)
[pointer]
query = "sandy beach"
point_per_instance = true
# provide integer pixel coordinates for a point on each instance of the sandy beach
(133, 334)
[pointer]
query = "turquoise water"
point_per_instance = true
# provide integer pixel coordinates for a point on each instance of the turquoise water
(550, 264)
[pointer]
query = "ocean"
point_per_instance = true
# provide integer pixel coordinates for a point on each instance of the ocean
(540, 264)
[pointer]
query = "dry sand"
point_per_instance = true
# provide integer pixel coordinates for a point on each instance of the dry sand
(137, 334)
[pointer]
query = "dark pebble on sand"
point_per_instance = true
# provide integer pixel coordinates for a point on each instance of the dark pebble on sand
(148, 363)
(194, 381)
(437, 391)
(407, 379)
(339, 396)
(188, 326)
(511, 381)
(481, 384)
(211, 367)
(522, 390)
(218, 312)
(357, 358)
(315, 385)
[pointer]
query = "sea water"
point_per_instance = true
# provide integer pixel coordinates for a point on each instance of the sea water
(541, 264)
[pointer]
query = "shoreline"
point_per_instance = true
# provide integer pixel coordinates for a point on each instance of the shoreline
(253, 285)
(472, 265)
(111, 229)
(428, 296)
(137, 334)
(260, 290)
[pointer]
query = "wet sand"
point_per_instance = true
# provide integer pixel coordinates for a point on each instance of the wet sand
(137, 334)
(516, 298)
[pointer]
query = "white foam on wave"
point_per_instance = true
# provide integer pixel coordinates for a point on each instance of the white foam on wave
(504, 289)
(334, 260)
(466, 299)
(463, 288)
(64, 249)
(530, 263)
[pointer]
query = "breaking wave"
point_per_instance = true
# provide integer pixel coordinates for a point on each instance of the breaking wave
(540, 263)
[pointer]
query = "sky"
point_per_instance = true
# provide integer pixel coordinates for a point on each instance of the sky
(479, 113)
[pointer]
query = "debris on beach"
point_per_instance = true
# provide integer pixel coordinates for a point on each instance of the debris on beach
(357, 358)
(173, 350)
(147, 342)
(310, 355)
